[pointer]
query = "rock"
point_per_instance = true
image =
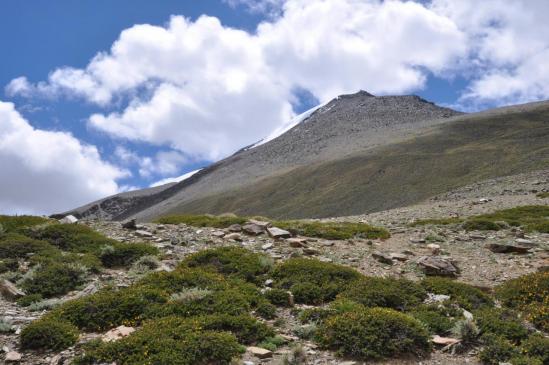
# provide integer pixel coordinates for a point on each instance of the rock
(417, 240)
(398, 256)
(468, 315)
(383, 258)
(297, 242)
(218, 234)
(477, 236)
(13, 356)
(131, 224)
(142, 233)
(310, 251)
(259, 352)
(503, 248)
(233, 236)
(525, 242)
(69, 219)
(253, 229)
(117, 333)
(440, 266)
(435, 249)
(9, 291)
(262, 224)
(269, 282)
(267, 246)
(444, 341)
(277, 233)
(235, 228)
(435, 298)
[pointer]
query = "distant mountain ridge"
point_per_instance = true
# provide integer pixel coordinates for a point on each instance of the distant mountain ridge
(358, 153)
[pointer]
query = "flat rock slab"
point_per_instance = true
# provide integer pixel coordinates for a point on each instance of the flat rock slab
(383, 258)
(142, 233)
(275, 232)
(438, 266)
(253, 229)
(297, 242)
(259, 352)
(9, 291)
(13, 356)
(444, 341)
(117, 333)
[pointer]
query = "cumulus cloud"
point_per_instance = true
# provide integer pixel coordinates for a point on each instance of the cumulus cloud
(212, 89)
(44, 172)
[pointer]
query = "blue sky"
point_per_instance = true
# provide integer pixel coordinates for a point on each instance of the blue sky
(134, 104)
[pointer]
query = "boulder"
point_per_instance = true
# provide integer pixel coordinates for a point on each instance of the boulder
(117, 333)
(253, 229)
(131, 224)
(13, 356)
(234, 228)
(277, 233)
(297, 242)
(259, 352)
(444, 341)
(69, 219)
(142, 233)
(233, 236)
(9, 291)
(398, 256)
(439, 266)
(262, 224)
(503, 248)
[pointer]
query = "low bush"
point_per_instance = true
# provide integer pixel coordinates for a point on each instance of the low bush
(438, 319)
(72, 237)
(221, 221)
(400, 294)
(272, 343)
(537, 347)
(124, 254)
(530, 294)
(11, 223)
(312, 281)
(278, 297)
(501, 322)
(183, 278)
(29, 299)
(333, 230)
(496, 350)
(543, 195)
(479, 224)
(466, 296)
(17, 246)
(266, 310)
(436, 222)
(48, 334)
(109, 308)
(7, 265)
(338, 306)
(54, 279)
(373, 334)
(531, 217)
(232, 261)
(166, 341)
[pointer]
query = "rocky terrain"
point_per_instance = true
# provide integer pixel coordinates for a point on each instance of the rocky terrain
(481, 258)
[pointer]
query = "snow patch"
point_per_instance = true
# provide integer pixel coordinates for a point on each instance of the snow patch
(174, 179)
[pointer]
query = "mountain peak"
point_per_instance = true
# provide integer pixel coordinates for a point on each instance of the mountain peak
(358, 94)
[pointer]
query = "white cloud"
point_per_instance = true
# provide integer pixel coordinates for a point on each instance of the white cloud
(212, 89)
(269, 7)
(164, 163)
(44, 171)
(174, 179)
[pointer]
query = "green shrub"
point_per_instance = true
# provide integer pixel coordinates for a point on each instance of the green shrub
(183, 278)
(7, 265)
(479, 224)
(278, 297)
(48, 334)
(393, 293)
(531, 217)
(339, 306)
(166, 341)
(333, 230)
(17, 246)
(272, 343)
(526, 360)
(300, 275)
(496, 350)
(14, 223)
(54, 279)
(530, 294)
(373, 334)
(232, 261)
(29, 299)
(501, 322)
(222, 221)
(109, 308)
(437, 318)
(465, 295)
(230, 301)
(124, 254)
(72, 237)
(543, 195)
(436, 222)
(266, 310)
(537, 346)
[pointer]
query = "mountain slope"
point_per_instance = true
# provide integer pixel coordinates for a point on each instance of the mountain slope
(356, 154)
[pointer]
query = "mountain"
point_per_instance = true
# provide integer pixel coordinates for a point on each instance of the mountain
(356, 154)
